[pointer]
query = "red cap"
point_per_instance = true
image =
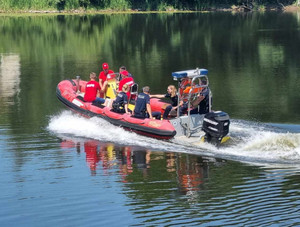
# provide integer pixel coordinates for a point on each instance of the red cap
(125, 73)
(105, 66)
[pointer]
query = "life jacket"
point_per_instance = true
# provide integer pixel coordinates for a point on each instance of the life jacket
(195, 90)
(183, 85)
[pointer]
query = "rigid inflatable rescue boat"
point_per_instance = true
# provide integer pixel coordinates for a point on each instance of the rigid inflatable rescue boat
(70, 92)
(211, 126)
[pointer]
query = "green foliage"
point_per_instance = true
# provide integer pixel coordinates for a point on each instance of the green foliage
(5, 5)
(118, 4)
(72, 4)
(27, 4)
(161, 5)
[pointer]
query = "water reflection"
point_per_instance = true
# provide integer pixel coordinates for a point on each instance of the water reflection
(188, 171)
(191, 174)
(108, 155)
(9, 77)
(152, 187)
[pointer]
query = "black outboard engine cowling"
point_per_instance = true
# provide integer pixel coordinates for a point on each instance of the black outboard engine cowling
(215, 125)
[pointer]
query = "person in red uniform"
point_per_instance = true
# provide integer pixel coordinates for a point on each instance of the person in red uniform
(103, 78)
(125, 80)
(92, 90)
(123, 68)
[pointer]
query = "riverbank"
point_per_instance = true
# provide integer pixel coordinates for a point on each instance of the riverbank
(233, 8)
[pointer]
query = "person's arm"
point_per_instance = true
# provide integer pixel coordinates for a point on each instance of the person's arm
(98, 89)
(103, 89)
(157, 96)
(100, 83)
(120, 86)
(196, 102)
(149, 110)
(126, 108)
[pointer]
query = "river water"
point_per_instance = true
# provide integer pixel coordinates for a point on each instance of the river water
(58, 168)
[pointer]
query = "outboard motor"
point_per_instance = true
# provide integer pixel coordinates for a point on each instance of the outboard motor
(216, 126)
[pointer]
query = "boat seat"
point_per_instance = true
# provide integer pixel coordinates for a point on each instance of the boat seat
(118, 111)
(133, 93)
(80, 98)
(98, 105)
(132, 102)
(93, 103)
(138, 117)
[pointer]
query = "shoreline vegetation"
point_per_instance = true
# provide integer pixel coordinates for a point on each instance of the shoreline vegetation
(143, 6)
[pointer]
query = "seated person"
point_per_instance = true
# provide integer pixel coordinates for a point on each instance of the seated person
(125, 80)
(92, 90)
(183, 107)
(142, 107)
(183, 104)
(120, 104)
(172, 94)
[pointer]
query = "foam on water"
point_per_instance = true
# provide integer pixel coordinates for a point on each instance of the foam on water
(260, 142)
(70, 123)
(250, 141)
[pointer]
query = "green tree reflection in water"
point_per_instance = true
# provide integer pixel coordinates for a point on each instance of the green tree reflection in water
(253, 67)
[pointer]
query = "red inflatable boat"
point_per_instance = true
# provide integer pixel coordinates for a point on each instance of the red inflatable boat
(68, 92)
(211, 126)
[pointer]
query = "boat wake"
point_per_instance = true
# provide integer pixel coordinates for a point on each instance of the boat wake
(258, 142)
(250, 142)
(72, 124)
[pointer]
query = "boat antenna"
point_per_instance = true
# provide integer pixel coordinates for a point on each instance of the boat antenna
(77, 84)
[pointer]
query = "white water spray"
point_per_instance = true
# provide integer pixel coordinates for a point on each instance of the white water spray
(251, 142)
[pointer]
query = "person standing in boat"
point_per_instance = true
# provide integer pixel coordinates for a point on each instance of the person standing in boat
(120, 104)
(92, 90)
(171, 94)
(201, 103)
(125, 80)
(103, 77)
(142, 107)
(184, 88)
(123, 68)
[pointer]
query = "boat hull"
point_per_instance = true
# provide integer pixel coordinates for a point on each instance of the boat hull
(67, 93)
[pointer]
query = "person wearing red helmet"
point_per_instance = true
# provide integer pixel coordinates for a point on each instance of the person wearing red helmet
(125, 80)
(123, 68)
(103, 76)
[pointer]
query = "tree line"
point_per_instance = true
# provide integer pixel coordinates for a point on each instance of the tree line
(143, 5)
